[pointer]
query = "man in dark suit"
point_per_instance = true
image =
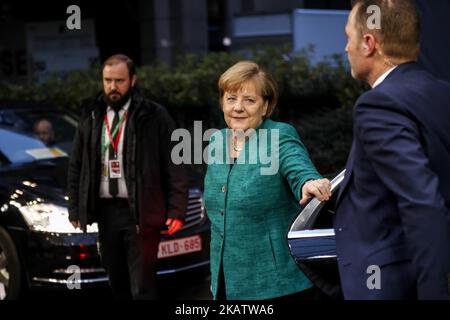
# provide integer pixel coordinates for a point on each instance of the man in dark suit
(393, 220)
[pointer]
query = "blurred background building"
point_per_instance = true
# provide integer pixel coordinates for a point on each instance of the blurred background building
(35, 41)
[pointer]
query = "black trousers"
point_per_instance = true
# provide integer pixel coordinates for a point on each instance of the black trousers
(129, 257)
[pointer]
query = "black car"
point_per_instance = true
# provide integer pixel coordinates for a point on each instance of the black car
(312, 242)
(38, 245)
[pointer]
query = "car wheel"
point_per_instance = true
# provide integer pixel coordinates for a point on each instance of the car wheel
(10, 268)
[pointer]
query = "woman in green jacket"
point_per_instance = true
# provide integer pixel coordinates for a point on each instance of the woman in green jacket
(258, 171)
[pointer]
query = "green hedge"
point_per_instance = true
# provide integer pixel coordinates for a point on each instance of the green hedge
(317, 99)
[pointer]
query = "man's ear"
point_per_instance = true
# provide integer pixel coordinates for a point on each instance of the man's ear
(370, 44)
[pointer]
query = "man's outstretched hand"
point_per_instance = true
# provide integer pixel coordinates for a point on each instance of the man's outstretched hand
(174, 226)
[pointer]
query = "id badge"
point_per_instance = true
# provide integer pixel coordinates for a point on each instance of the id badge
(114, 169)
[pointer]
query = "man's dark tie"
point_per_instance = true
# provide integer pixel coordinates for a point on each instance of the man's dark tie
(113, 183)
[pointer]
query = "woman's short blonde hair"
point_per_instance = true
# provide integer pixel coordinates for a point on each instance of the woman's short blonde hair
(237, 75)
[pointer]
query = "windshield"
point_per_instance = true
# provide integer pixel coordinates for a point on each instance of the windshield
(28, 135)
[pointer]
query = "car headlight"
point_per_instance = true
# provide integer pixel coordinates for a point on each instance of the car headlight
(48, 217)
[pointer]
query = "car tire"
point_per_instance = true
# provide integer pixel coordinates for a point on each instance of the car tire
(10, 267)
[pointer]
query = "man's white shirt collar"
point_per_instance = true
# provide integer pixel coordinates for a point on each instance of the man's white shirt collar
(382, 77)
(124, 108)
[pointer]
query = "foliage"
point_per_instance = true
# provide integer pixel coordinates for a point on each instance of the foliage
(317, 99)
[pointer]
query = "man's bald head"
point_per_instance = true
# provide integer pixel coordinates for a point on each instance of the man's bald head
(44, 131)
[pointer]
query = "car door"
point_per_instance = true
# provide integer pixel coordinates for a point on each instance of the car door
(312, 242)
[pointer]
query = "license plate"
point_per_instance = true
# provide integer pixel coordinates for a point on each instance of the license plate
(180, 246)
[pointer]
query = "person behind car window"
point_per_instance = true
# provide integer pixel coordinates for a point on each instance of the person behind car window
(392, 219)
(251, 209)
(126, 181)
(43, 129)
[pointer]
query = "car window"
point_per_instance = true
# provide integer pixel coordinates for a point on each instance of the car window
(19, 147)
(316, 214)
(324, 219)
(53, 129)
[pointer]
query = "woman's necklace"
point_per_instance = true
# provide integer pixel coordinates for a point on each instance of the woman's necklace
(235, 147)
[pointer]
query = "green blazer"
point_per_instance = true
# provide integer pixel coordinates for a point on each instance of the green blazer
(251, 212)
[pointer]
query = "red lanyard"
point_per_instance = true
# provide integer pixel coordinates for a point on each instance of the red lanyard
(115, 142)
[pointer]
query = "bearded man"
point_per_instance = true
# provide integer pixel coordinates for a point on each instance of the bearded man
(122, 177)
